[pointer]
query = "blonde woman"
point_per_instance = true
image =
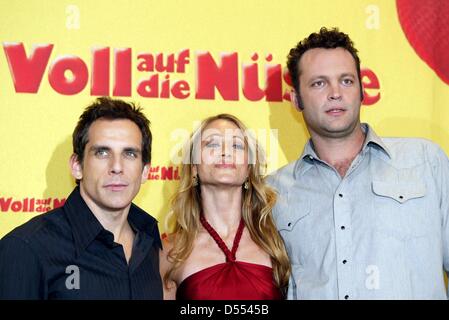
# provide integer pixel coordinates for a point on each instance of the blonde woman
(224, 243)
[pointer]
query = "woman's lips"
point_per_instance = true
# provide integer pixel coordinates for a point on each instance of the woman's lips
(225, 166)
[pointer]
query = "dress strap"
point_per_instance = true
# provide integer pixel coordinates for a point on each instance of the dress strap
(230, 255)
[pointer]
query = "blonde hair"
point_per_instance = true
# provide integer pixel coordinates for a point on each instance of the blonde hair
(258, 201)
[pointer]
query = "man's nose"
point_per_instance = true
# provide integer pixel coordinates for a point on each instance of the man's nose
(116, 165)
(334, 92)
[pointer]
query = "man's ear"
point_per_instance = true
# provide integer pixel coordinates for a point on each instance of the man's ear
(145, 172)
(362, 94)
(75, 167)
(296, 101)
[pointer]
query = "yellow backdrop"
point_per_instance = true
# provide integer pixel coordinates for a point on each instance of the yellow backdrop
(203, 55)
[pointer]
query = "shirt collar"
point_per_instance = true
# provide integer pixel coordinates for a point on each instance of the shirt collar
(143, 222)
(86, 227)
(372, 139)
(309, 155)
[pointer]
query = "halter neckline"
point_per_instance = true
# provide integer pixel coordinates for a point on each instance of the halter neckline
(230, 255)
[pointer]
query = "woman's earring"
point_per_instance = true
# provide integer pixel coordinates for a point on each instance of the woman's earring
(246, 185)
(195, 180)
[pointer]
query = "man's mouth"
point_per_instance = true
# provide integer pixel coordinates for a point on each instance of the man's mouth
(116, 186)
(336, 111)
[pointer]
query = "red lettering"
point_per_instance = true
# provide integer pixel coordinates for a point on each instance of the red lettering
(273, 88)
(25, 205)
(223, 77)
(176, 176)
(165, 87)
(288, 81)
(27, 72)
(152, 175)
(183, 59)
(154, 169)
(250, 79)
(58, 202)
(100, 72)
(147, 62)
(69, 75)
(122, 77)
(167, 173)
(169, 67)
(16, 206)
(273, 92)
(58, 79)
(180, 89)
(149, 88)
(5, 204)
(370, 81)
(42, 208)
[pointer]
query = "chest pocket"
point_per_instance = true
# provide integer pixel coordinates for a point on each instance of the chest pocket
(401, 192)
(291, 223)
(288, 220)
(399, 208)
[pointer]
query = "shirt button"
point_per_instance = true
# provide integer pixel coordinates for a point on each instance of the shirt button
(342, 228)
(346, 297)
(344, 261)
(340, 195)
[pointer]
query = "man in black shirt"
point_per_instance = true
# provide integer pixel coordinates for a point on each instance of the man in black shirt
(99, 245)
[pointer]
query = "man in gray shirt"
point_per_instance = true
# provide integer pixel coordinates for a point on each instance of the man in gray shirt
(362, 217)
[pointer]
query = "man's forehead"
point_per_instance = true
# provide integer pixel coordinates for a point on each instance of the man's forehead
(109, 126)
(109, 146)
(105, 131)
(113, 122)
(322, 59)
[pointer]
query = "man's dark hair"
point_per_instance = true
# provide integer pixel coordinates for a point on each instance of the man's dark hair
(111, 109)
(326, 39)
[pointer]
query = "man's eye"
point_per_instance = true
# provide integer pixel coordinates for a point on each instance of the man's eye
(101, 153)
(317, 84)
(131, 154)
(347, 82)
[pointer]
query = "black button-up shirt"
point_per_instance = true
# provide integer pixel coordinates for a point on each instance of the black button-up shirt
(67, 254)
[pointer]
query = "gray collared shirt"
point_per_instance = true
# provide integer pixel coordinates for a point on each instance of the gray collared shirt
(381, 232)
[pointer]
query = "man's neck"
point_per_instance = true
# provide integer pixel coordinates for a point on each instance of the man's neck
(339, 152)
(115, 221)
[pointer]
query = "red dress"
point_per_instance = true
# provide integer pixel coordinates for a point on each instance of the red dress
(231, 280)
